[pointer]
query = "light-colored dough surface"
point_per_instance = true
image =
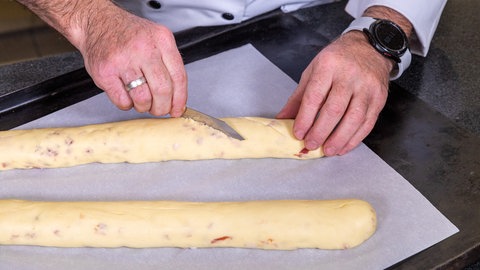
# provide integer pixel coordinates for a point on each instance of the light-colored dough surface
(329, 224)
(149, 140)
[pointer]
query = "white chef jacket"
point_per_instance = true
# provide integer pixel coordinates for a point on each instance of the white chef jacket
(179, 15)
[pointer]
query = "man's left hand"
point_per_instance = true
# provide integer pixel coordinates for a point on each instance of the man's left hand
(340, 95)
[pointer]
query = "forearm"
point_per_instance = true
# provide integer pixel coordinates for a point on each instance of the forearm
(71, 18)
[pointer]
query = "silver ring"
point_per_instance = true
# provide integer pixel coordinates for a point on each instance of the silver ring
(135, 83)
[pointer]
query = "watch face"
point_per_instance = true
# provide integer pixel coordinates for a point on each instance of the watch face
(390, 36)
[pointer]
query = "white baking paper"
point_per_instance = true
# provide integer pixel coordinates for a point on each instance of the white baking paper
(239, 82)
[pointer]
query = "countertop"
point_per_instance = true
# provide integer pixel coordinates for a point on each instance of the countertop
(428, 132)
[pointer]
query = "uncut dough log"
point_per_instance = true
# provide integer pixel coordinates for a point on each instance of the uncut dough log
(286, 225)
(149, 140)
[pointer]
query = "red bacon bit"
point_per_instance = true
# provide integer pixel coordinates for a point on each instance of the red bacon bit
(101, 228)
(220, 239)
(267, 242)
(303, 152)
(51, 153)
(30, 235)
(68, 141)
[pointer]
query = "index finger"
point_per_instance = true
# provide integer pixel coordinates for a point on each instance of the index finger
(329, 115)
(174, 64)
(314, 95)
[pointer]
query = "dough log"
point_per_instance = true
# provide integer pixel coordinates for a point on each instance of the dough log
(283, 225)
(149, 140)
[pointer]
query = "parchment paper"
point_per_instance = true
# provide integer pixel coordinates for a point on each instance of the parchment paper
(240, 82)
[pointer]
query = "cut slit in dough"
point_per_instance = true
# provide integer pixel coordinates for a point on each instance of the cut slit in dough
(149, 140)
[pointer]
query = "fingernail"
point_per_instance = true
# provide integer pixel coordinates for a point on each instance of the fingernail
(177, 112)
(311, 145)
(343, 152)
(298, 134)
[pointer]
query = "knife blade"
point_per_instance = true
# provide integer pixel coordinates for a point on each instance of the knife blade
(212, 122)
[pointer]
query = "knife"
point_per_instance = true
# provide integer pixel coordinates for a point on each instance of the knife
(212, 122)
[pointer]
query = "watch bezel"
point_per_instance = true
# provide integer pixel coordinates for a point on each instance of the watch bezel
(374, 39)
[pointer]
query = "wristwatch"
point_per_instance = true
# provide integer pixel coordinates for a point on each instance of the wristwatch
(388, 39)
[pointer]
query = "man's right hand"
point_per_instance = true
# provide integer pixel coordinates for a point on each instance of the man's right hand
(118, 48)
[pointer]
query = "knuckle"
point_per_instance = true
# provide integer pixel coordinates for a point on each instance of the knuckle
(358, 112)
(357, 115)
(162, 86)
(179, 76)
(369, 124)
(315, 81)
(164, 34)
(313, 98)
(162, 91)
(334, 109)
